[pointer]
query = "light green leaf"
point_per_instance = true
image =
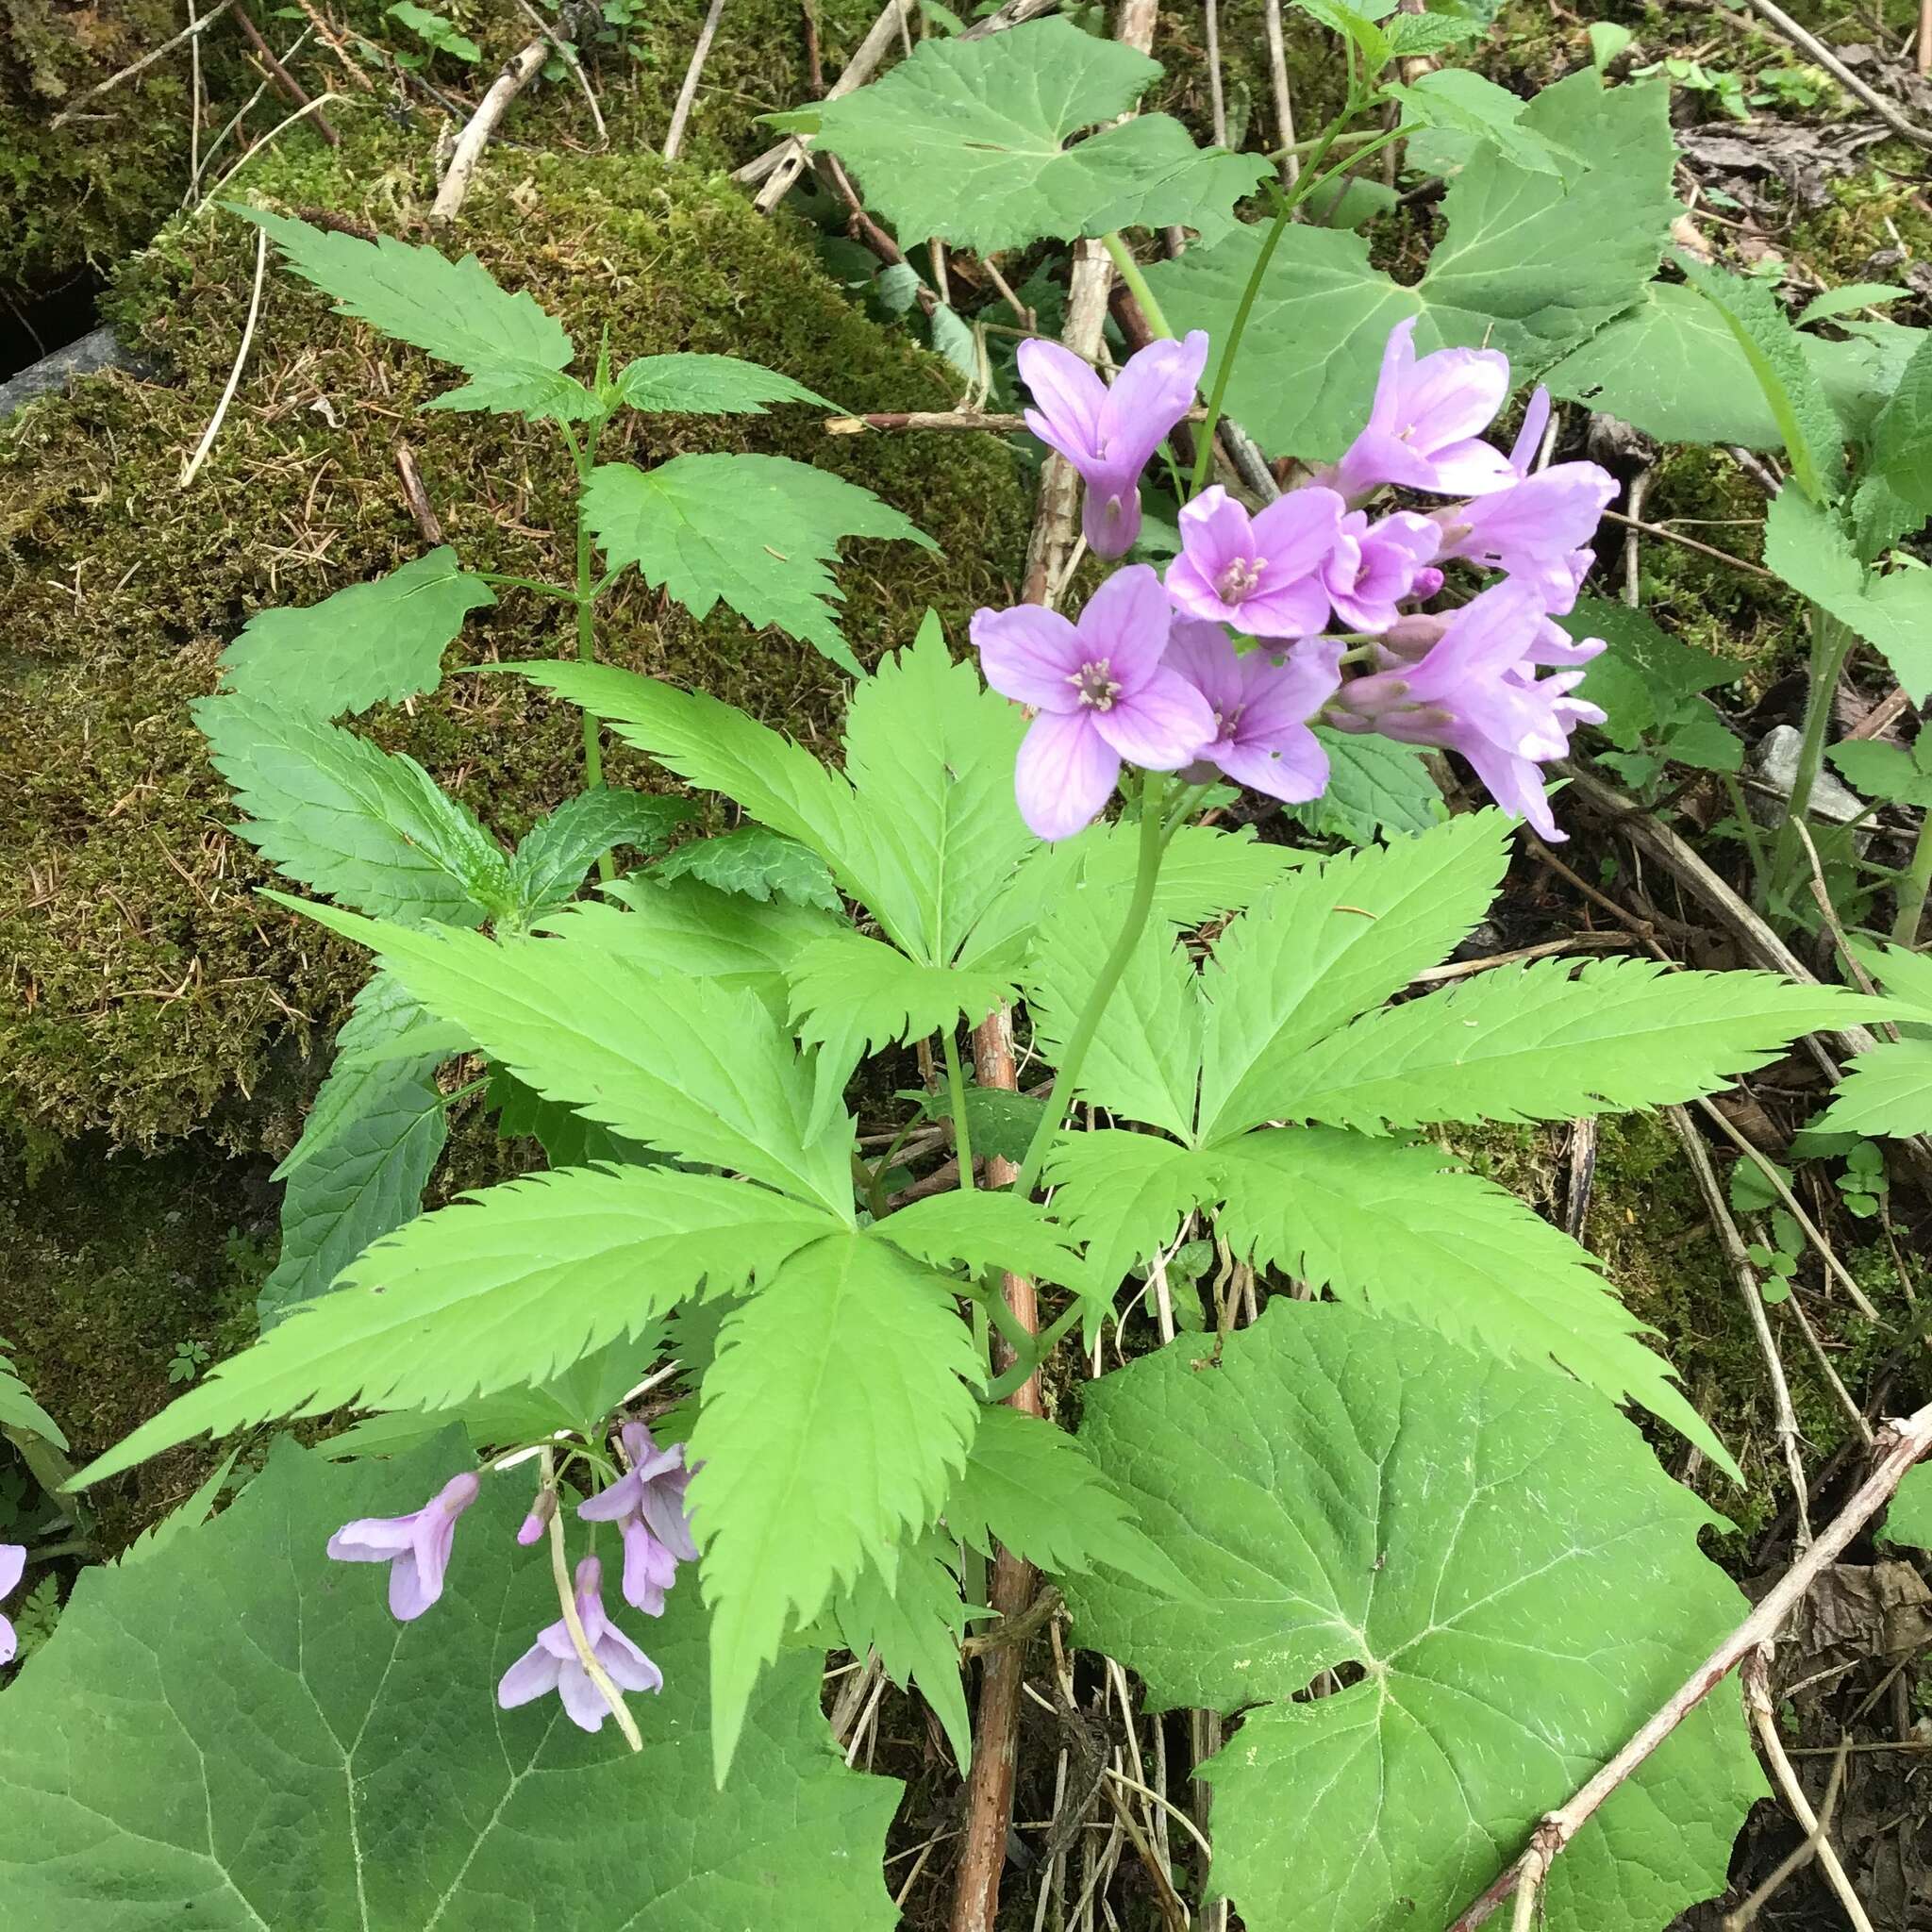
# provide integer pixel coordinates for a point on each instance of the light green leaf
(1400, 1230)
(1901, 453)
(1498, 1553)
(568, 1138)
(753, 531)
(184, 1518)
(369, 827)
(513, 353)
(1853, 296)
(709, 386)
(915, 1623)
(1327, 943)
(1805, 546)
(19, 1410)
(1509, 273)
(554, 854)
(1374, 786)
(1033, 1487)
(381, 1014)
(977, 1228)
(1909, 1518)
(1553, 1041)
(1002, 1124)
(849, 990)
(756, 863)
(681, 1064)
(507, 1287)
(1812, 436)
(1123, 1195)
(968, 140)
(1906, 975)
(1887, 1090)
(834, 1418)
(436, 30)
(680, 925)
(1886, 772)
(1430, 33)
(372, 644)
(237, 1734)
(1466, 103)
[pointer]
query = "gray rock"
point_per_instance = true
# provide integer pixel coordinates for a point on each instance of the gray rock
(93, 352)
(1778, 765)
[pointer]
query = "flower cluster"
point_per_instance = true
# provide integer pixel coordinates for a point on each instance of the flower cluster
(647, 1504)
(1328, 595)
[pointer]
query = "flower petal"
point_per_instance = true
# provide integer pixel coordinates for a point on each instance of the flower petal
(372, 1539)
(1110, 512)
(1296, 532)
(1216, 532)
(1205, 656)
(531, 1676)
(12, 1566)
(1028, 655)
(1070, 397)
(1126, 622)
(1451, 395)
(626, 1666)
(1529, 439)
(1291, 767)
(583, 1702)
(1296, 610)
(1153, 391)
(1064, 774)
(7, 1641)
(617, 1501)
(1161, 726)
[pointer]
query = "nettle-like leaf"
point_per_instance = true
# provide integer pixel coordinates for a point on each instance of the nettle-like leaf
(975, 1228)
(568, 1138)
(372, 644)
(503, 1287)
(1649, 682)
(968, 140)
(369, 827)
(554, 854)
(1888, 1087)
(1807, 547)
(757, 862)
(1517, 1582)
(753, 531)
(835, 1416)
(1902, 432)
(291, 1755)
(849, 992)
(709, 386)
(512, 351)
(683, 927)
(1529, 262)
(1888, 771)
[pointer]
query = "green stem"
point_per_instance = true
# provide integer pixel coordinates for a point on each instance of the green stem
(1152, 844)
(1129, 270)
(584, 455)
(1348, 161)
(1831, 644)
(956, 1099)
(1026, 1361)
(566, 591)
(1747, 829)
(1914, 887)
(1204, 446)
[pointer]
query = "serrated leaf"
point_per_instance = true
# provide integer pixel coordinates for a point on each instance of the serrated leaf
(1553, 1041)
(1466, 103)
(1901, 452)
(1501, 1556)
(915, 1625)
(681, 925)
(1907, 975)
(1887, 1090)
(369, 827)
(554, 854)
(1845, 301)
(382, 1014)
(1032, 1487)
(1402, 1231)
(568, 1138)
(1123, 1195)
(1376, 786)
(19, 1410)
(757, 863)
(753, 531)
(977, 1228)
(709, 386)
(238, 1734)
(849, 991)
(834, 1418)
(505, 1287)
(371, 643)
(184, 1518)
(1644, 675)
(1430, 33)
(512, 352)
(684, 1065)
(968, 140)
(1327, 943)
(1509, 273)
(1909, 1518)
(1886, 772)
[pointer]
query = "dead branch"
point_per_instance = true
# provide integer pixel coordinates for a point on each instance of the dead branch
(518, 71)
(286, 82)
(140, 66)
(674, 140)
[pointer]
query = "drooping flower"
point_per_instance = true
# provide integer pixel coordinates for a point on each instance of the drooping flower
(648, 1506)
(1110, 434)
(1475, 692)
(416, 1547)
(1538, 530)
(1264, 573)
(1424, 427)
(552, 1664)
(1529, 439)
(538, 1521)
(12, 1568)
(1263, 703)
(1373, 566)
(1100, 693)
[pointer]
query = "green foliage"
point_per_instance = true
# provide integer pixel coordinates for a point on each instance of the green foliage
(19, 1410)
(1901, 451)
(1374, 786)
(968, 140)
(1508, 272)
(418, 1802)
(977, 1228)
(1652, 685)
(915, 1625)
(834, 1418)
(849, 991)
(684, 525)
(436, 30)
(1888, 771)
(1501, 1557)
(1454, 98)
(1909, 1518)
(372, 644)
(759, 863)
(681, 925)
(512, 352)
(707, 386)
(549, 864)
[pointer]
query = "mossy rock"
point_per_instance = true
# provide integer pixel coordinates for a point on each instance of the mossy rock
(153, 992)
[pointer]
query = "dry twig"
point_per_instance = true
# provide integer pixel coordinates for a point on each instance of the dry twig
(292, 88)
(568, 55)
(193, 466)
(140, 66)
(518, 71)
(673, 139)
(1810, 45)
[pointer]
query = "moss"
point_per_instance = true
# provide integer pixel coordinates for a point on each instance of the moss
(150, 990)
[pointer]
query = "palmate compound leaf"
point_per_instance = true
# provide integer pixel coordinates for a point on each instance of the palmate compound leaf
(367, 826)
(1887, 1090)
(553, 856)
(684, 1065)
(968, 140)
(835, 1417)
(849, 991)
(503, 1287)
(1518, 1582)
(977, 1228)
(709, 386)
(513, 353)
(1552, 1040)
(754, 531)
(371, 643)
(1529, 263)
(236, 1734)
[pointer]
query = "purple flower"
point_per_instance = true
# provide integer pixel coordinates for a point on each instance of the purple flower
(1262, 702)
(648, 1504)
(1100, 693)
(551, 1663)
(1109, 434)
(1535, 529)
(12, 1567)
(1475, 692)
(416, 1547)
(1373, 566)
(1260, 573)
(538, 1521)
(1424, 427)
(1529, 439)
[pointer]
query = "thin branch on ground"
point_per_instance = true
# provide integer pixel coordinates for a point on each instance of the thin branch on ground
(1284, 101)
(1800, 1856)
(1217, 99)
(517, 73)
(1755, 570)
(292, 88)
(688, 93)
(1812, 46)
(140, 66)
(191, 468)
(568, 55)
